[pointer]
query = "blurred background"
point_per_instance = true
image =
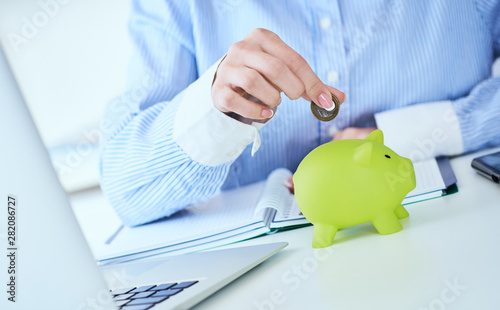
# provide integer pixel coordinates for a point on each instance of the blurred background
(70, 58)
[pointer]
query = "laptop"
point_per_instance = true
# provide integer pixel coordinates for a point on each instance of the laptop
(45, 261)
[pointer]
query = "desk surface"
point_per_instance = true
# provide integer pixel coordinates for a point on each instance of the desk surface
(446, 257)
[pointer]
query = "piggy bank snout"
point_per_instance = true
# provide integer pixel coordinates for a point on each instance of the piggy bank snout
(407, 171)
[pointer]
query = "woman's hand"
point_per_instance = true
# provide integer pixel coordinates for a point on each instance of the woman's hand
(353, 133)
(264, 66)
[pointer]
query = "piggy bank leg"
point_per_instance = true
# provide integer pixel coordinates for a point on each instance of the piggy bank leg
(387, 223)
(323, 235)
(401, 212)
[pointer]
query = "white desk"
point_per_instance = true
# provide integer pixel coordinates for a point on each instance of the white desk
(446, 257)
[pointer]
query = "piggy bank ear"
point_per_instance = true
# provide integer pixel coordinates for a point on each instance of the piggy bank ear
(363, 154)
(376, 136)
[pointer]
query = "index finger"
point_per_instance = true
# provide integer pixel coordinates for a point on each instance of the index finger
(314, 89)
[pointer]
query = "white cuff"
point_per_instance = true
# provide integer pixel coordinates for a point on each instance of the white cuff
(422, 131)
(204, 133)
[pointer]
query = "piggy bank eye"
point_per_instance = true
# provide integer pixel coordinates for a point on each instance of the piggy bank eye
(387, 156)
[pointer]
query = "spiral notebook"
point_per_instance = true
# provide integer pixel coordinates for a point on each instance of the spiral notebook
(240, 214)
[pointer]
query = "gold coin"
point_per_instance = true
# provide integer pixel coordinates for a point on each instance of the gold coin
(324, 115)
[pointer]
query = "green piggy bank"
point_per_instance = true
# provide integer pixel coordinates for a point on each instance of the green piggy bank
(349, 182)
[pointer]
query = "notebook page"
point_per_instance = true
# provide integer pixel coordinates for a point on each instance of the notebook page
(226, 211)
(228, 237)
(291, 212)
(275, 194)
(428, 177)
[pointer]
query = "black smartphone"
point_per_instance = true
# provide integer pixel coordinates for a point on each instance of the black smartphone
(488, 166)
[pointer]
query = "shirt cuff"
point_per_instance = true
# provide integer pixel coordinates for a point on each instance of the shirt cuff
(204, 133)
(422, 131)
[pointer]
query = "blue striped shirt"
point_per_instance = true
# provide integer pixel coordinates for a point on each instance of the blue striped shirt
(384, 55)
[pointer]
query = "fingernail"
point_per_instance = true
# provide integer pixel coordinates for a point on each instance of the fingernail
(326, 102)
(267, 113)
(289, 182)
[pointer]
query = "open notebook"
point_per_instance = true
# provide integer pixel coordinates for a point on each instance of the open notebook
(239, 214)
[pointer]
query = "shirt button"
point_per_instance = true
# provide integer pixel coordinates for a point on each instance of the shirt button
(325, 23)
(333, 76)
(332, 131)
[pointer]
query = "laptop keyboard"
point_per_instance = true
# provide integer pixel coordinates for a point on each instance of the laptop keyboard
(146, 297)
